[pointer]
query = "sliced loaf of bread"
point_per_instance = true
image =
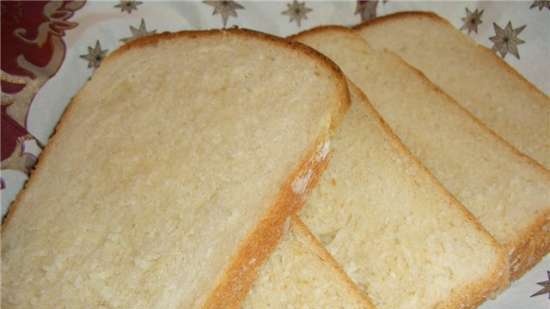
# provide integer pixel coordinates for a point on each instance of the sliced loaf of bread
(171, 174)
(473, 75)
(394, 229)
(508, 192)
(301, 274)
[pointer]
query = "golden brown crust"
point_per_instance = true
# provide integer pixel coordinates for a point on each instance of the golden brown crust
(500, 61)
(327, 258)
(468, 296)
(524, 245)
(384, 18)
(472, 295)
(255, 249)
(478, 122)
(38, 166)
(153, 40)
(532, 247)
(297, 46)
(318, 30)
(439, 19)
(294, 37)
(258, 245)
(534, 243)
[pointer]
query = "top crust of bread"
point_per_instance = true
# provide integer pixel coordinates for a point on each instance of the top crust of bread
(521, 122)
(434, 17)
(465, 297)
(526, 148)
(231, 285)
(532, 242)
(153, 40)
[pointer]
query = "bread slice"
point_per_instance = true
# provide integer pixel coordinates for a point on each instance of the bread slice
(171, 174)
(394, 229)
(301, 274)
(506, 191)
(473, 75)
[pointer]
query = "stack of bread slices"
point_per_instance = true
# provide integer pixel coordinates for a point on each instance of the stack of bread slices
(360, 167)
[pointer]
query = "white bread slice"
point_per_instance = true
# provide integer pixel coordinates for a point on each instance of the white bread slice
(506, 191)
(301, 274)
(171, 174)
(394, 229)
(473, 75)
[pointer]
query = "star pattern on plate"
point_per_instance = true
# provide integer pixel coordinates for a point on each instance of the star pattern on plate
(297, 11)
(225, 8)
(95, 55)
(366, 9)
(472, 20)
(540, 4)
(545, 287)
(139, 32)
(128, 5)
(506, 39)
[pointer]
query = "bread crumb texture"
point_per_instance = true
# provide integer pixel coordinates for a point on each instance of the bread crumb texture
(400, 238)
(508, 193)
(297, 276)
(472, 74)
(166, 160)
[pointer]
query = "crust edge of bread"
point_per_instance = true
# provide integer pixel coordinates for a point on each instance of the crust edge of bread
(323, 253)
(468, 296)
(153, 40)
(38, 166)
(532, 247)
(257, 245)
(533, 242)
(436, 18)
(256, 248)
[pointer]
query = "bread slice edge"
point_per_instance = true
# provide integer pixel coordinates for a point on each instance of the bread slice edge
(497, 278)
(533, 242)
(445, 23)
(235, 281)
(323, 253)
(441, 20)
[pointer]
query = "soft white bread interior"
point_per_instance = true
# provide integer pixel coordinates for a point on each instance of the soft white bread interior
(301, 274)
(506, 191)
(396, 232)
(170, 173)
(475, 76)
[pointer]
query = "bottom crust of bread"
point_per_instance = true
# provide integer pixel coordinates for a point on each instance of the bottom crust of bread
(256, 248)
(534, 243)
(531, 248)
(473, 295)
(327, 257)
(524, 254)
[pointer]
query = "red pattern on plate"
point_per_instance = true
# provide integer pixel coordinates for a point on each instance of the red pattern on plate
(32, 52)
